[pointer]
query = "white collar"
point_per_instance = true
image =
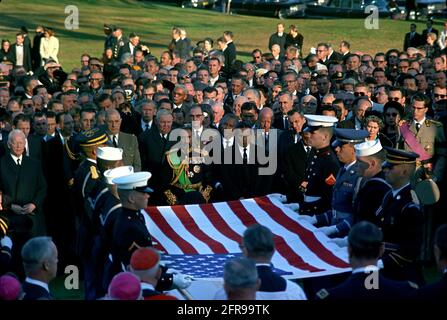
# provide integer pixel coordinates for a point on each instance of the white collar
(350, 165)
(420, 122)
(15, 158)
(38, 283)
(91, 160)
(395, 192)
(280, 34)
(241, 150)
(229, 42)
(177, 106)
(364, 269)
(143, 124)
(230, 141)
(263, 265)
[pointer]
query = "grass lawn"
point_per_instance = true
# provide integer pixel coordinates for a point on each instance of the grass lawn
(153, 21)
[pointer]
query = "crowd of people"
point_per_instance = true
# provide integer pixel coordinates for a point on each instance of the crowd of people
(351, 136)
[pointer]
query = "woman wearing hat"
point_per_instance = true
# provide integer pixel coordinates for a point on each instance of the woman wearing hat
(49, 46)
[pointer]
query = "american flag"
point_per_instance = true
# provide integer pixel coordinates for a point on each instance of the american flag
(198, 239)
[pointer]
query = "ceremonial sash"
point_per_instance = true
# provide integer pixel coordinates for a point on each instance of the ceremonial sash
(415, 146)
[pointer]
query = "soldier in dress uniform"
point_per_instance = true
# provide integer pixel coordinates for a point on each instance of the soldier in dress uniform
(365, 248)
(85, 179)
(400, 218)
(337, 221)
(322, 169)
(118, 41)
(371, 187)
(130, 231)
(103, 205)
(187, 176)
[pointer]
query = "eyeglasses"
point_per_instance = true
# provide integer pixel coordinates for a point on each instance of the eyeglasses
(391, 114)
(393, 99)
(442, 96)
(256, 57)
(366, 61)
(359, 94)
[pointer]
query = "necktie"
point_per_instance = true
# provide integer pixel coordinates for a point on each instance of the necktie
(266, 138)
(146, 127)
(286, 123)
(342, 171)
(418, 126)
(308, 151)
(163, 138)
(227, 144)
(18, 161)
(245, 156)
(115, 143)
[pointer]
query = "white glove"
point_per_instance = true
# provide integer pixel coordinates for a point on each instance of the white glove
(341, 242)
(181, 281)
(328, 230)
(278, 196)
(311, 219)
(292, 206)
(6, 242)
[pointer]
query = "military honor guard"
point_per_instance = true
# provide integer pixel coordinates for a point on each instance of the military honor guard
(337, 221)
(365, 247)
(371, 188)
(400, 218)
(130, 231)
(322, 168)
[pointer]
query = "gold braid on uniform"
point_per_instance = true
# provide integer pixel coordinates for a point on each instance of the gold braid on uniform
(206, 193)
(69, 152)
(171, 198)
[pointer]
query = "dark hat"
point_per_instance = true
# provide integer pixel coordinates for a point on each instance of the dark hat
(168, 85)
(396, 157)
(338, 76)
(352, 136)
(91, 138)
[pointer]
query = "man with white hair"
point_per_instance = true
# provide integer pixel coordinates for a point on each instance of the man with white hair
(21, 178)
(39, 257)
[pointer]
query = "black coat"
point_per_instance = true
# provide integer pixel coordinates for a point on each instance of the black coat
(27, 64)
(415, 42)
(295, 41)
(276, 39)
(152, 152)
(244, 180)
(354, 289)
(35, 292)
(34, 145)
(295, 163)
(24, 184)
(436, 291)
(401, 221)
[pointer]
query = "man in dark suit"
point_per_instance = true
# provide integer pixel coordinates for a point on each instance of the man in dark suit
(412, 38)
(21, 178)
(127, 142)
(147, 110)
(178, 45)
(365, 248)
(39, 257)
(21, 53)
(243, 179)
(131, 46)
(33, 147)
(153, 145)
(232, 52)
(429, 29)
(285, 103)
(36, 47)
